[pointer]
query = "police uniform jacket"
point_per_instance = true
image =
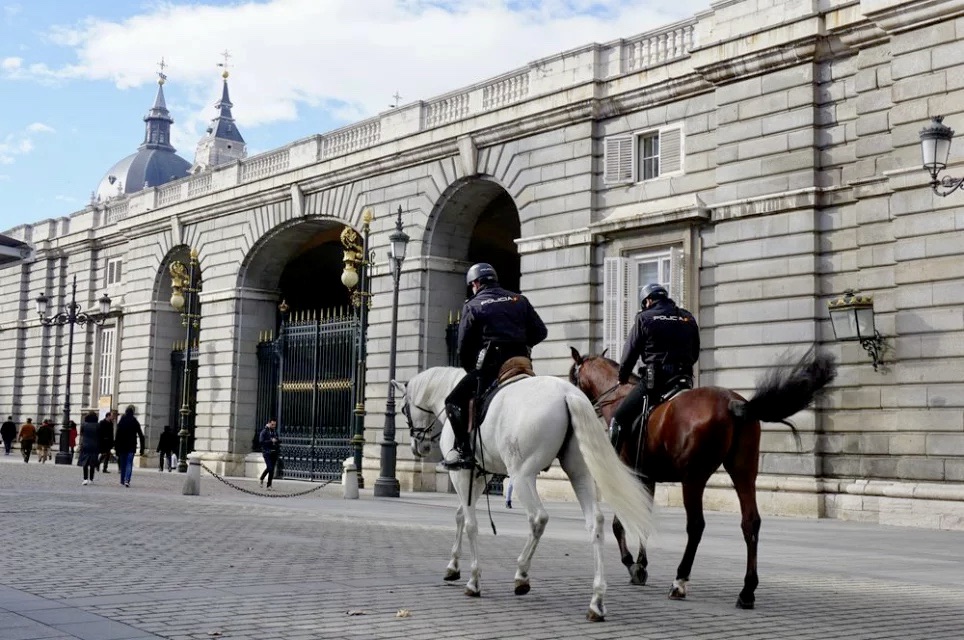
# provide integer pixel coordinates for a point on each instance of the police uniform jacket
(665, 336)
(497, 316)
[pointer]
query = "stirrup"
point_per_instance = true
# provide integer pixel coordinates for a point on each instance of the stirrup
(465, 461)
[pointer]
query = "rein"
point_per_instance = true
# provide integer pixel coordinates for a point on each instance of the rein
(419, 433)
(598, 403)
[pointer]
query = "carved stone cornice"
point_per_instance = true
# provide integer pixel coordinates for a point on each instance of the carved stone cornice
(752, 64)
(897, 16)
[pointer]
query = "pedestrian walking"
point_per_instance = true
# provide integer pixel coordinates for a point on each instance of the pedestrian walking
(105, 439)
(166, 446)
(270, 448)
(45, 438)
(8, 431)
(26, 438)
(89, 447)
(72, 436)
(125, 444)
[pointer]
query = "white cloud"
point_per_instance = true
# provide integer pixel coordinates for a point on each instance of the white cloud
(20, 143)
(68, 199)
(4, 178)
(346, 56)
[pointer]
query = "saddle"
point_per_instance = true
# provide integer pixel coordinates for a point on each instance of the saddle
(676, 386)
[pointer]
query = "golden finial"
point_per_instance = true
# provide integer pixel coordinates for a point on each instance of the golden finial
(367, 216)
(194, 254)
(224, 65)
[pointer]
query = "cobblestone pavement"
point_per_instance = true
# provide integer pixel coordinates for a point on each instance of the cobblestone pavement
(105, 562)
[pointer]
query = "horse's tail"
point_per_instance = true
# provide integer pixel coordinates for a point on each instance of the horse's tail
(617, 483)
(787, 388)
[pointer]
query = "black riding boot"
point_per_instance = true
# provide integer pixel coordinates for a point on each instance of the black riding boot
(463, 445)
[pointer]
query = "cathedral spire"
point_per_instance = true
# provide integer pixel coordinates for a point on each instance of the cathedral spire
(157, 132)
(223, 142)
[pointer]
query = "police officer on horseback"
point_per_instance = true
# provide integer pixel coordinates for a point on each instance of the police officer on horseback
(496, 325)
(667, 339)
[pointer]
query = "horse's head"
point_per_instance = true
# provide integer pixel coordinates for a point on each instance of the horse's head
(424, 426)
(593, 375)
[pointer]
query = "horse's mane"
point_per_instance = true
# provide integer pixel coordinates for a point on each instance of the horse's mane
(434, 384)
(633, 378)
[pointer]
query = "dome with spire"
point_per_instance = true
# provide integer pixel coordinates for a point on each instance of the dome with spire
(155, 161)
(222, 142)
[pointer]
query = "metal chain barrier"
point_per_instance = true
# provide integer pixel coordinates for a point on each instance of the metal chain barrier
(266, 495)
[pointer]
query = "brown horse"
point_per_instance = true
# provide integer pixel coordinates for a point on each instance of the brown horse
(691, 435)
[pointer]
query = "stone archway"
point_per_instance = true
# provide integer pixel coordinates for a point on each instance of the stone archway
(301, 368)
(475, 220)
(168, 336)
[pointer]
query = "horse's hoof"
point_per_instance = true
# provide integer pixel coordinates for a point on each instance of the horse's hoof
(637, 574)
(744, 604)
(452, 574)
(473, 594)
(677, 594)
(522, 587)
(592, 616)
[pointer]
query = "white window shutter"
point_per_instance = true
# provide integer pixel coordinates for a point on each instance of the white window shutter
(677, 275)
(616, 305)
(618, 160)
(117, 270)
(670, 151)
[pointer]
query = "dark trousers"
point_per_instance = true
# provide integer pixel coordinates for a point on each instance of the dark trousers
(89, 469)
(162, 456)
(26, 446)
(270, 457)
(7, 444)
(632, 405)
(104, 460)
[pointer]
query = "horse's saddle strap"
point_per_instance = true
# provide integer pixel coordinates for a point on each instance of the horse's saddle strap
(515, 366)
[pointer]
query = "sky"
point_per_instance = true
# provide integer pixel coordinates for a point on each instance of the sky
(76, 78)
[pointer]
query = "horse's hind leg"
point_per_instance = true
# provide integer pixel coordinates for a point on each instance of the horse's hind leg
(452, 571)
(745, 485)
(637, 568)
(585, 489)
(693, 502)
(524, 487)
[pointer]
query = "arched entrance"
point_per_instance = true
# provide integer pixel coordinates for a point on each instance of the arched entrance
(475, 220)
(305, 356)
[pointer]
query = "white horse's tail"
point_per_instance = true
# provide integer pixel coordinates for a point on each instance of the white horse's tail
(617, 483)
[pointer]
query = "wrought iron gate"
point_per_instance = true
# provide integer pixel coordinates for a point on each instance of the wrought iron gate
(306, 380)
(177, 378)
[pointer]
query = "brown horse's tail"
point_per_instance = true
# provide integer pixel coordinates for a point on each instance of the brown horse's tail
(787, 388)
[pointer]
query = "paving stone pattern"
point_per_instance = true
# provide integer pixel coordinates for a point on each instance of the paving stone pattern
(105, 562)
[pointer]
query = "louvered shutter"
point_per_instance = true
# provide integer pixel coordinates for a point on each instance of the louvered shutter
(670, 151)
(616, 306)
(618, 161)
(677, 276)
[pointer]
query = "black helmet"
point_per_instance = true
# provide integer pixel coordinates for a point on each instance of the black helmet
(482, 271)
(652, 291)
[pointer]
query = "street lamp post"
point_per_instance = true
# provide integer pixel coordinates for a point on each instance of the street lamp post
(71, 315)
(935, 145)
(186, 285)
(386, 486)
(356, 278)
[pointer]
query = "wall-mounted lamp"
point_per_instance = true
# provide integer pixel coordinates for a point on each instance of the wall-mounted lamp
(852, 318)
(935, 146)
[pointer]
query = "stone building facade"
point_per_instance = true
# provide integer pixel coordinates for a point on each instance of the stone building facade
(759, 159)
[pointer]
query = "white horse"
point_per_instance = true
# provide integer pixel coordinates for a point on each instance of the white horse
(529, 424)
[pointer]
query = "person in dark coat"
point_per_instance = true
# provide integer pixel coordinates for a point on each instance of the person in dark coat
(270, 449)
(125, 444)
(105, 439)
(8, 432)
(496, 325)
(667, 339)
(166, 446)
(45, 438)
(89, 447)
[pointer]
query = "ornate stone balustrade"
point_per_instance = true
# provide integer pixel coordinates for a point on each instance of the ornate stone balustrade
(199, 185)
(506, 91)
(351, 139)
(265, 164)
(116, 210)
(445, 110)
(653, 49)
(170, 193)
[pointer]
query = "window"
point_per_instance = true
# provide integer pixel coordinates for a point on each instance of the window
(114, 268)
(105, 381)
(643, 156)
(624, 277)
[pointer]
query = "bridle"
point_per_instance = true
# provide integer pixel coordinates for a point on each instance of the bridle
(420, 433)
(597, 403)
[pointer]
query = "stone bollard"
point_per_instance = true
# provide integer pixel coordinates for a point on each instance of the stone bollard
(192, 483)
(349, 479)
